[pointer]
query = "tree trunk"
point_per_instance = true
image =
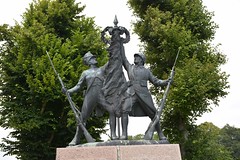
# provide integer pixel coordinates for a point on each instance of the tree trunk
(184, 136)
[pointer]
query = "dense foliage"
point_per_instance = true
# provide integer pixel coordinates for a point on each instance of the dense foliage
(32, 103)
(207, 141)
(230, 138)
(164, 27)
(204, 143)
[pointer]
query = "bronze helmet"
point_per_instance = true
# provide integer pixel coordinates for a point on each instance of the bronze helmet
(142, 56)
(87, 57)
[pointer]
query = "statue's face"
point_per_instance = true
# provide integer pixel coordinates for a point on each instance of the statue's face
(92, 61)
(138, 60)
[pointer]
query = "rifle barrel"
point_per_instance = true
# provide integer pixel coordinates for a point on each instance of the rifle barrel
(77, 113)
(151, 127)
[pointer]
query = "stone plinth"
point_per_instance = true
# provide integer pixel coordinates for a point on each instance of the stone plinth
(121, 152)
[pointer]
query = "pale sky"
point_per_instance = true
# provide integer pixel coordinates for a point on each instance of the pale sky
(226, 16)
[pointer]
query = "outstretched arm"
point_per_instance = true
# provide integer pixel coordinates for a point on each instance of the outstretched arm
(157, 82)
(79, 84)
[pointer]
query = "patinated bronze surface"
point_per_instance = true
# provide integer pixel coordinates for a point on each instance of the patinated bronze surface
(107, 88)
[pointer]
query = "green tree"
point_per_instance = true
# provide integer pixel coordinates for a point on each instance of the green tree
(141, 136)
(32, 103)
(204, 143)
(165, 26)
(230, 138)
(136, 137)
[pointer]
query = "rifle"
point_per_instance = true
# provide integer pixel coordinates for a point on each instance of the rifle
(151, 127)
(77, 113)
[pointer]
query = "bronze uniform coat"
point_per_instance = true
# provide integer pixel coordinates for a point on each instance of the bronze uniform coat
(138, 78)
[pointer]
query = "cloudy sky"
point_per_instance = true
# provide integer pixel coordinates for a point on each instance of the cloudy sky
(226, 13)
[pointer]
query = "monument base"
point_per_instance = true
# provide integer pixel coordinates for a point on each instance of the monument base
(121, 152)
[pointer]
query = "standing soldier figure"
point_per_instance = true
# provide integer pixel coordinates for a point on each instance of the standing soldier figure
(137, 99)
(93, 78)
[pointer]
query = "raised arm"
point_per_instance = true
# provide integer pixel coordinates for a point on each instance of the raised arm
(125, 62)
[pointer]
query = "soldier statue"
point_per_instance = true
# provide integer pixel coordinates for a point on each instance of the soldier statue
(136, 98)
(93, 78)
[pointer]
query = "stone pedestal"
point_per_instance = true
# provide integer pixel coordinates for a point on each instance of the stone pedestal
(122, 152)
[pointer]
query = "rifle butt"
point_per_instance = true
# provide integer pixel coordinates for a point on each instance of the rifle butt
(149, 133)
(87, 135)
(85, 132)
(151, 128)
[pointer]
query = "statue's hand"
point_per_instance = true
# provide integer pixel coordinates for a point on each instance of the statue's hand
(170, 80)
(165, 82)
(64, 90)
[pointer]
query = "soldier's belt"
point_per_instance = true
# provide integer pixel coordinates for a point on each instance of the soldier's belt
(142, 83)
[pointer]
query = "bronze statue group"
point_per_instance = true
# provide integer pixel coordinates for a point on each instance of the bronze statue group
(108, 90)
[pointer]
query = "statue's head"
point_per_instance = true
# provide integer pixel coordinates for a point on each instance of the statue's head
(141, 57)
(87, 57)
